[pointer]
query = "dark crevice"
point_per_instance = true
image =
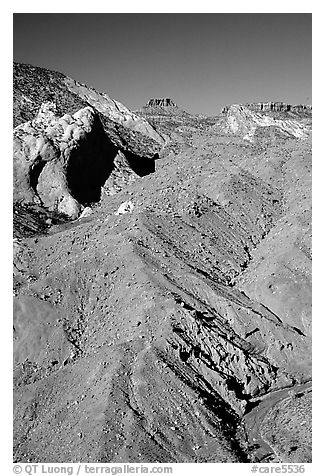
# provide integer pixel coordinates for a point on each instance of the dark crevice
(251, 332)
(142, 166)
(237, 387)
(298, 331)
(184, 355)
(35, 172)
(198, 314)
(250, 405)
(90, 165)
(213, 402)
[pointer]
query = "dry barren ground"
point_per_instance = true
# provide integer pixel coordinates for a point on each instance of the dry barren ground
(146, 336)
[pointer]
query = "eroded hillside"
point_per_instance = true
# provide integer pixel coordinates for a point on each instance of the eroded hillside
(160, 321)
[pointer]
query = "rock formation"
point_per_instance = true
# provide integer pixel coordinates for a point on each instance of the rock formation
(243, 120)
(34, 86)
(160, 102)
(273, 107)
(113, 110)
(64, 163)
(61, 163)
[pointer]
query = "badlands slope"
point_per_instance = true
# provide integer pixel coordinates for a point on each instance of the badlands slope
(162, 279)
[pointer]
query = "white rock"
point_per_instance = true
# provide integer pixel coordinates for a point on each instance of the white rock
(125, 207)
(85, 213)
(49, 140)
(112, 109)
(241, 119)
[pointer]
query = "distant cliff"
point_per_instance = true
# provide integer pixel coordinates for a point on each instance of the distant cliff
(273, 107)
(161, 102)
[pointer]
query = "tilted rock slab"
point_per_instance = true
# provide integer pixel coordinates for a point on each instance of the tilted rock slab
(33, 86)
(114, 110)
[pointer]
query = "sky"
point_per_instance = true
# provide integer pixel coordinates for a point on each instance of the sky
(201, 61)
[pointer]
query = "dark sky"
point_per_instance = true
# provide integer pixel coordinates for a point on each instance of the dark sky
(202, 61)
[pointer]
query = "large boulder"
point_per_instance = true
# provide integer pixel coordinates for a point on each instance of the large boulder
(61, 162)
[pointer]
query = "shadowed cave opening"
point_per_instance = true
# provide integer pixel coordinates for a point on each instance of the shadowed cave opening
(92, 162)
(90, 165)
(234, 385)
(141, 165)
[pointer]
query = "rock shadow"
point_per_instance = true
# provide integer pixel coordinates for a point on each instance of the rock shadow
(35, 172)
(141, 165)
(90, 165)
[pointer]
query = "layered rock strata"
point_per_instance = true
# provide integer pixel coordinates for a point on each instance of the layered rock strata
(273, 107)
(242, 120)
(161, 102)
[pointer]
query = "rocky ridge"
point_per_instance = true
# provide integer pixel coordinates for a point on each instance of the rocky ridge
(274, 107)
(243, 120)
(160, 102)
(34, 86)
(148, 328)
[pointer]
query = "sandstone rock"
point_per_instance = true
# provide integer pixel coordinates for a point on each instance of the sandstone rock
(274, 107)
(121, 176)
(64, 163)
(125, 207)
(47, 148)
(160, 102)
(86, 212)
(240, 119)
(34, 86)
(114, 110)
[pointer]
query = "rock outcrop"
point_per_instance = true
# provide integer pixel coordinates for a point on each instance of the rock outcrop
(64, 163)
(242, 120)
(113, 110)
(34, 86)
(273, 107)
(161, 102)
(121, 176)
(61, 162)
